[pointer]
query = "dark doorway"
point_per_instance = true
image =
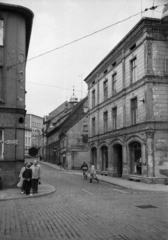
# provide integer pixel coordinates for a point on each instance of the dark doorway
(135, 158)
(94, 156)
(118, 159)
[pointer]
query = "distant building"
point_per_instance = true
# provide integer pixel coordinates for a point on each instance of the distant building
(33, 133)
(128, 105)
(66, 134)
(57, 115)
(15, 31)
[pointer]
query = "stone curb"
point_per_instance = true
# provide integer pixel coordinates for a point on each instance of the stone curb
(30, 197)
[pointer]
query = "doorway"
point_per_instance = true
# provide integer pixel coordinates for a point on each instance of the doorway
(118, 159)
(104, 153)
(135, 158)
(94, 156)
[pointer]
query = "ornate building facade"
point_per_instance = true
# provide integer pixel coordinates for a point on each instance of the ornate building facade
(128, 105)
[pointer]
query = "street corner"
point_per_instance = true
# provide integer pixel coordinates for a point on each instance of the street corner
(14, 193)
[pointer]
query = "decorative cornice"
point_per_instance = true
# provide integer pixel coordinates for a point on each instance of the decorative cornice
(144, 25)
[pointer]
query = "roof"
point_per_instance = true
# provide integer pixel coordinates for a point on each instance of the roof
(136, 28)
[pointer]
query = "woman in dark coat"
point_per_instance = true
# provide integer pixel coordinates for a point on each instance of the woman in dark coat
(27, 175)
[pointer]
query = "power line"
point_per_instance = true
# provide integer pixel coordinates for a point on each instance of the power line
(86, 36)
(51, 86)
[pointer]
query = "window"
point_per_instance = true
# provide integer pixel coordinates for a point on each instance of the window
(114, 118)
(1, 144)
(133, 70)
(85, 127)
(133, 110)
(105, 121)
(93, 126)
(93, 98)
(105, 88)
(114, 80)
(79, 141)
(1, 32)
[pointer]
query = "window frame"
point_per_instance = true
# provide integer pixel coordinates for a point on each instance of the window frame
(105, 120)
(105, 89)
(93, 126)
(114, 83)
(114, 118)
(133, 69)
(134, 110)
(93, 98)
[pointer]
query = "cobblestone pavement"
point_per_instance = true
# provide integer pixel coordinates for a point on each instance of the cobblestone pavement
(79, 210)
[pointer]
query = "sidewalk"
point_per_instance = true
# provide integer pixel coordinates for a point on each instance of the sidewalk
(118, 181)
(45, 189)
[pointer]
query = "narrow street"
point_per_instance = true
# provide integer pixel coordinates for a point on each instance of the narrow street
(82, 210)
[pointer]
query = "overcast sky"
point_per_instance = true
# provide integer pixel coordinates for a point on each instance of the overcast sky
(51, 77)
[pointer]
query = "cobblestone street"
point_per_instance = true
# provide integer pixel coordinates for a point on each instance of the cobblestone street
(80, 210)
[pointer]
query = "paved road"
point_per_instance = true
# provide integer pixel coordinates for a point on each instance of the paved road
(80, 210)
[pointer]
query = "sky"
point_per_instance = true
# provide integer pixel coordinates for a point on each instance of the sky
(50, 78)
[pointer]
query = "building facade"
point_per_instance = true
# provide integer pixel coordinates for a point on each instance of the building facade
(66, 134)
(33, 133)
(51, 146)
(128, 105)
(15, 31)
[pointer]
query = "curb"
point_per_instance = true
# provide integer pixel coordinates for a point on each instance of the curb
(29, 197)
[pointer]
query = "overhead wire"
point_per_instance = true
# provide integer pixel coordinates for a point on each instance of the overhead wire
(86, 36)
(74, 41)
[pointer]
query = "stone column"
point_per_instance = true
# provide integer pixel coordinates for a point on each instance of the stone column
(98, 160)
(124, 156)
(144, 164)
(110, 166)
(150, 154)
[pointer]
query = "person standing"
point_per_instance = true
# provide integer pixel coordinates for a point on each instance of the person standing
(27, 175)
(93, 173)
(21, 182)
(36, 172)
